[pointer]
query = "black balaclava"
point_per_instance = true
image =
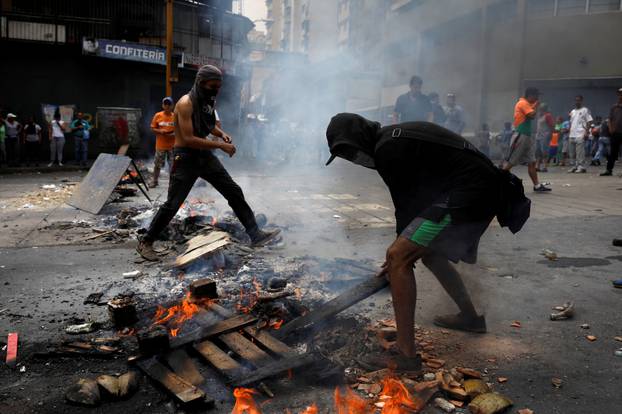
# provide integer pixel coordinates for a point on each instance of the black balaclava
(204, 101)
(353, 138)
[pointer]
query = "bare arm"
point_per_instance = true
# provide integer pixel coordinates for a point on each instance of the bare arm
(396, 118)
(184, 136)
(218, 132)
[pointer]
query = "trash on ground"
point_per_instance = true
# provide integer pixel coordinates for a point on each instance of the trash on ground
(11, 353)
(82, 328)
(566, 311)
(516, 324)
(557, 382)
(591, 338)
(84, 392)
(489, 403)
(549, 254)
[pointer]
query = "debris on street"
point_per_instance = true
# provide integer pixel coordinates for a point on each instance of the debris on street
(565, 311)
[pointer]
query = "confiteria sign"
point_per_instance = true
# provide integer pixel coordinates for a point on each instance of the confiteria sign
(115, 49)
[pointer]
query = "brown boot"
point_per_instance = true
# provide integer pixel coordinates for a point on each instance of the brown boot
(145, 250)
(462, 322)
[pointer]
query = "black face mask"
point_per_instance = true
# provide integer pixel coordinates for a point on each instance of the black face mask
(208, 95)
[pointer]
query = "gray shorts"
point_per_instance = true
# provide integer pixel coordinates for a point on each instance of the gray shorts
(455, 241)
(522, 149)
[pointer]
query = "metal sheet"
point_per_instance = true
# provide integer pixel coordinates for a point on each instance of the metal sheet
(99, 183)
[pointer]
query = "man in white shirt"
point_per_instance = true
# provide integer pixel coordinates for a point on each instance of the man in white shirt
(580, 122)
(57, 140)
(13, 131)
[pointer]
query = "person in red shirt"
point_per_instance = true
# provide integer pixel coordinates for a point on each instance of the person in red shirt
(163, 125)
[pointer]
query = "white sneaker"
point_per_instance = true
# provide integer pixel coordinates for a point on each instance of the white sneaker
(60, 164)
(572, 170)
(50, 164)
(581, 170)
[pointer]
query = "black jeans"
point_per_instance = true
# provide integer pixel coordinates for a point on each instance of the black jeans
(616, 141)
(188, 165)
(12, 150)
(31, 150)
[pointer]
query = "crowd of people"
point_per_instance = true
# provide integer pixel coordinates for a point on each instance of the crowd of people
(570, 140)
(23, 143)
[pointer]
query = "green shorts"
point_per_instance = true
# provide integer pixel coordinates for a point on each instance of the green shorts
(455, 241)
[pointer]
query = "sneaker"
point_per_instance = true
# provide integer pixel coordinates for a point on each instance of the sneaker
(261, 237)
(50, 164)
(541, 188)
(607, 173)
(617, 283)
(393, 360)
(60, 164)
(145, 250)
(581, 170)
(462, 322)
(572, 170)
(153, 184)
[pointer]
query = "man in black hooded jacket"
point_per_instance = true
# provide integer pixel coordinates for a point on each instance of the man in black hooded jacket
(195, 119)
(442, 209)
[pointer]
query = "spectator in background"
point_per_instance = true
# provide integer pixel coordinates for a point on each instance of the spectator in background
(57, 140)
(522, 147)
(163, 125)
(80, 129)
(554, 143)
(437, 110)
(615, 133)
(13, 131)
(483, 140)
(580, 122)
(32, 140)
(604, 144)
(455, 115)
(2, 139)
(564, 135)
(591, 146)
(413, 106)
(505, 137)
(545, 127)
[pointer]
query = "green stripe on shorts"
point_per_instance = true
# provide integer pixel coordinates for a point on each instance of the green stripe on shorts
(428, 230)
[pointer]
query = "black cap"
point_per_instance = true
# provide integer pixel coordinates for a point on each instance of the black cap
(331, 159)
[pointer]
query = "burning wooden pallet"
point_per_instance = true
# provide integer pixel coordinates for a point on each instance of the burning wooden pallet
(237, 351)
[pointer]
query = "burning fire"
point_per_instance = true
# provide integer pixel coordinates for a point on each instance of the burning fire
(397, 399)
(349, 402)
(244, 402)
(250, 298)
(312, 409)
(175, 316)
(276, 324)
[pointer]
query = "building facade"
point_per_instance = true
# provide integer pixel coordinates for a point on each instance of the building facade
(88, 55)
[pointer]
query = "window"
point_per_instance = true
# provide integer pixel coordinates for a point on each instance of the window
(571, 7)
(604, 6)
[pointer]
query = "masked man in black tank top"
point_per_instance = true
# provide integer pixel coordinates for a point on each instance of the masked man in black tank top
(195, 119)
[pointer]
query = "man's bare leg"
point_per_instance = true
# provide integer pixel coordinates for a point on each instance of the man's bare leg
(451, 281)
(449, 278)
(533, 174)
(401, 258)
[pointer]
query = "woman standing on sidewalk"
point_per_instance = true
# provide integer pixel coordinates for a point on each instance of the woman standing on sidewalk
(57, 140)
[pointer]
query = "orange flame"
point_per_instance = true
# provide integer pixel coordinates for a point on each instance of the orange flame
(350, 403)
(312, 409)
(244, 402)
(250, 298)
(276, 324)
(175, 316)
(397, 398)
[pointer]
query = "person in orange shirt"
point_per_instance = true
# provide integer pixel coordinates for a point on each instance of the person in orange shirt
(163, 125)
(523, 145)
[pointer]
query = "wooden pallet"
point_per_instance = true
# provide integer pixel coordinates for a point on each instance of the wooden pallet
(232, 349)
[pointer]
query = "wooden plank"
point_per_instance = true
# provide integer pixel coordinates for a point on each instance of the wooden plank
(272, 369)
(204, 240)
(186, 259)
(99, 183)
(228, 325)
(182, 365)
(183, 391)
(246, 349)
(336, 305)
(270, 342)
(262, 336)
(226, 365)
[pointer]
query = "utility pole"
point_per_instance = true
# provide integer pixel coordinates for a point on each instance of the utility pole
(169, 46)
